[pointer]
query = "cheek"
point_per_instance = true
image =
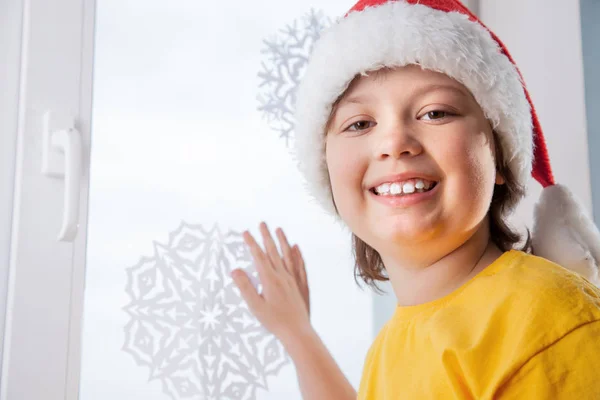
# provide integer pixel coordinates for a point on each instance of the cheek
(346, 166)
(471, 171)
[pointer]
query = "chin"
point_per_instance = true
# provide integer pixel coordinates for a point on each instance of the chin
(406, 236)
(403, 231)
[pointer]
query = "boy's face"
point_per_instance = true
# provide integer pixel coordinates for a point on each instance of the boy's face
(402, 124)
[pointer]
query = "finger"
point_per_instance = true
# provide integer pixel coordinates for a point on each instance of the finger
(301, 266)
(270, 247)
(247, 290)
(303, 280)
(261, 261)
(288, 254)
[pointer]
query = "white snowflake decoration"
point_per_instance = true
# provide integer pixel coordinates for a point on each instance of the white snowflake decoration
(188, 323)
(288, 57)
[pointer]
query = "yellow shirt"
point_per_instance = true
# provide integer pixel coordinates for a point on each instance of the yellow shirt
(523, 328)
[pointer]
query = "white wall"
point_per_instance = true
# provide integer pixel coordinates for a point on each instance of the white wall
(590, 29)
(472, 5)
(544, 38)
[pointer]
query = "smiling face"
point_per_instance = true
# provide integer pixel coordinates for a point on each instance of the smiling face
(410, 159)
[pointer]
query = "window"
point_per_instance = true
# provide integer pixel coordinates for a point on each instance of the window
(188, 133)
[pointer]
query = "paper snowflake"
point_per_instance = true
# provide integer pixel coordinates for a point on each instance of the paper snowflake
(190, 326)
(288, 55)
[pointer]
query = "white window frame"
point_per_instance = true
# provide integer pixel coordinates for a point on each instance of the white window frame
(41, 355)
(10, 55)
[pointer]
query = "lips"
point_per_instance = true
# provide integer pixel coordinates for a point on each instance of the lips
(404, 177)
(405, 200)
(404, 187)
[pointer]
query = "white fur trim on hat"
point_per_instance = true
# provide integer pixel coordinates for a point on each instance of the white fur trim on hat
(565, 234)
(398, 34)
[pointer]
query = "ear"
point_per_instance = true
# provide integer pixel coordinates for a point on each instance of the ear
(499, 179)
(497, 153)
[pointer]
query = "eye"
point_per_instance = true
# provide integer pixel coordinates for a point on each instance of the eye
(360, 125)
(435, 115)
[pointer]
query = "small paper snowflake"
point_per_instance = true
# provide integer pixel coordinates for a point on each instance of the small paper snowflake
(288, 55)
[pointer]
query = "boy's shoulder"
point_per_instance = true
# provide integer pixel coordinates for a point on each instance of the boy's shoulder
(543, 282)
(538, 298)
(534, 304)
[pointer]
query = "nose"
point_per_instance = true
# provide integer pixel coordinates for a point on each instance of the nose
(397, 140)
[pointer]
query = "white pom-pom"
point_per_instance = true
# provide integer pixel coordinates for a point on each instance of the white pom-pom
(564, 233)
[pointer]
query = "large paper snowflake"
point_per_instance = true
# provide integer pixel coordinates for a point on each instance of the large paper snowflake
(288, 55)
(188, 323)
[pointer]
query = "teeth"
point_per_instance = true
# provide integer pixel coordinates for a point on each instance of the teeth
(395, 188)
(408, 187)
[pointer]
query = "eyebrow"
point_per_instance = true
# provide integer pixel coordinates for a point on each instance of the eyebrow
(451, 88)
(361, 99)
(357, 99)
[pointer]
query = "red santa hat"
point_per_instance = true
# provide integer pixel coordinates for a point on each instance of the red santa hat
(443, 36)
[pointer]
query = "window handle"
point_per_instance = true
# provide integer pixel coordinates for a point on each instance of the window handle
(62, 158)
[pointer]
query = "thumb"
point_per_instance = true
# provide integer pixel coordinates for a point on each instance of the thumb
(247, 290)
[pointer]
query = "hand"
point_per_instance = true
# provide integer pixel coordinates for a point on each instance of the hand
(284, 305)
